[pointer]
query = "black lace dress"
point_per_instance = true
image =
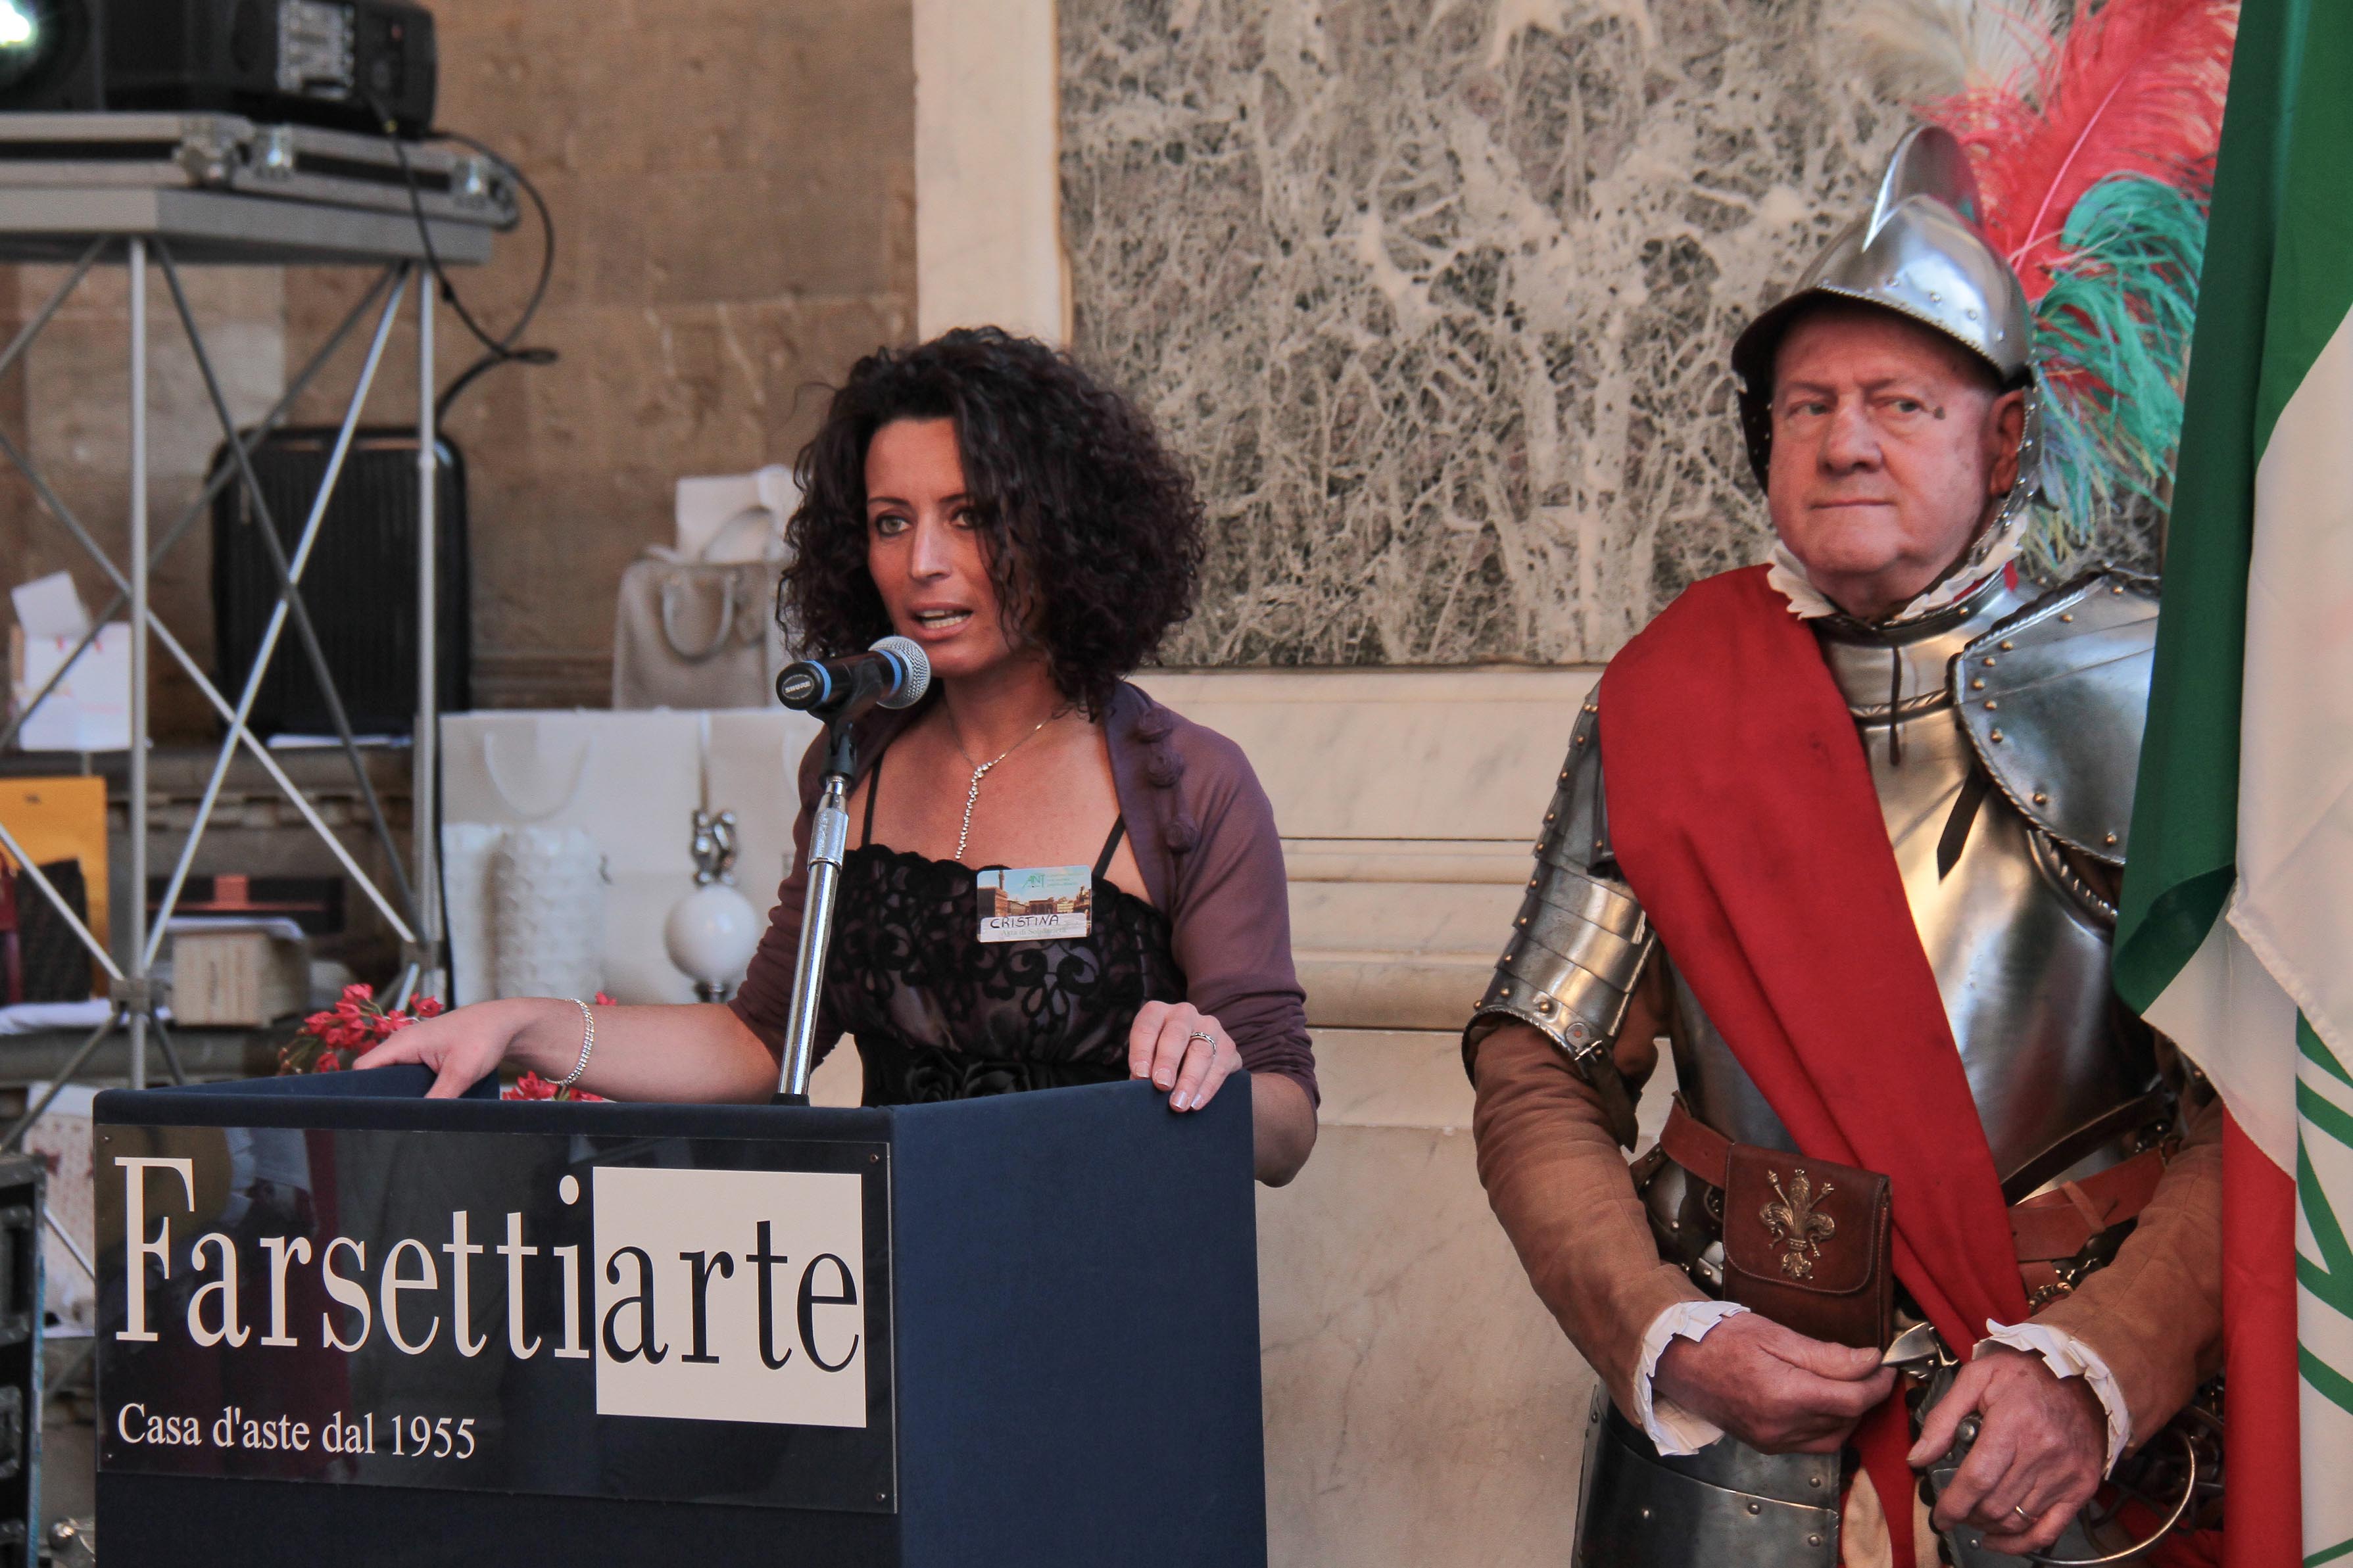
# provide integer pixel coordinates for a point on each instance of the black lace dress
(940, 1015)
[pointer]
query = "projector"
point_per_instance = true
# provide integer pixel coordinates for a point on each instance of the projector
(314, 62)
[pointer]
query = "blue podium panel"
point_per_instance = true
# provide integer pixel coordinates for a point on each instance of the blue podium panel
(1010, 1330)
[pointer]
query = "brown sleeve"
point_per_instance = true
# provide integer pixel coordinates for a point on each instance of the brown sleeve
(2154, 1315)
(1559, 1183)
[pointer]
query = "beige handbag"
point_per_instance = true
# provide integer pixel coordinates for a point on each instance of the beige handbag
(696, 634)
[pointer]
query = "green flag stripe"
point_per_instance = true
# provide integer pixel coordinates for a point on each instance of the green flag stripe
(2311, 277)
(2317, 1053)
(2331, 1383)
(2185, 810)
(2331, 1278)
(2329, 1554)
(2323, 1115)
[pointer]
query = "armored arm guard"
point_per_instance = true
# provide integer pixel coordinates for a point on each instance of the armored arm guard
(1579, 940)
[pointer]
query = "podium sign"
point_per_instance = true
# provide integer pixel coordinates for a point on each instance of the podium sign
(665, 1318)
(336, 1318)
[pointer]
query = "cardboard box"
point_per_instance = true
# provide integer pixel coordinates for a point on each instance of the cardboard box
(64, 819)
(238, 978)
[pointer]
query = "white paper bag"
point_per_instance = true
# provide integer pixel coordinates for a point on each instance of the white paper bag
(632, 782)
(91, 708)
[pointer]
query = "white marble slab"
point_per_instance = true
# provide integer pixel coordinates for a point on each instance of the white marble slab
(1414, 755)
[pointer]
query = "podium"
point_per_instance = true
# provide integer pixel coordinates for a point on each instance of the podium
(339, 1322)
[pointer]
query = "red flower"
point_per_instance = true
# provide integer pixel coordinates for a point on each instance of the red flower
(428, 1006)
(329, 1062)
(357, 993)
(530, 1086)
(603, 1000)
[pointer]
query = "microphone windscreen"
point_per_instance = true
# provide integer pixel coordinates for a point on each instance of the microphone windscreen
(919, 670)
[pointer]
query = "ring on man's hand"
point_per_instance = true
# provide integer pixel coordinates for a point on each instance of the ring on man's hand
(2020, 1510)
(1205, 1036)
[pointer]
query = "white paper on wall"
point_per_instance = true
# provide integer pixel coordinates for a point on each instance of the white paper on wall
(50, 606)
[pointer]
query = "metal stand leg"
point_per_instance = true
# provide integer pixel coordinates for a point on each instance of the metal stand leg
(137, 998)
(425, 787)
(829, 835)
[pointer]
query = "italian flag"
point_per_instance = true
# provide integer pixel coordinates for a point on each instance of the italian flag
(2236, 936)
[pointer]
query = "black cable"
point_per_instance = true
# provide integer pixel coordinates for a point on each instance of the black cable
(505, 349)
(496, 350)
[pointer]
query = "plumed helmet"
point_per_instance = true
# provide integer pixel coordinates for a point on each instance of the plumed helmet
(1920, 254)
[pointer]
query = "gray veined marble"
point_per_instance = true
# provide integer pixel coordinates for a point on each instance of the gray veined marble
(1438, 296)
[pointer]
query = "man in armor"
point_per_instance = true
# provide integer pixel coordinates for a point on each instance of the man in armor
(1847, 830)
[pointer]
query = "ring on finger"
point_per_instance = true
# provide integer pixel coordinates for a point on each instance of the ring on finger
(1206, 1037)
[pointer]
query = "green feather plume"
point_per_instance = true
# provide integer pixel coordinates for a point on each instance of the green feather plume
(2112, 333)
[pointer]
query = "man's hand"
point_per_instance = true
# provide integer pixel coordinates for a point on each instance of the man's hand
(2039, 1454)
(1772, 1387)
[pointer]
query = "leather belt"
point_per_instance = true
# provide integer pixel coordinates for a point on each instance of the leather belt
(2048, 1227)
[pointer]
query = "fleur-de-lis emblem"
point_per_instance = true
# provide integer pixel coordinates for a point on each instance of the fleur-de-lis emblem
(1796, 1223)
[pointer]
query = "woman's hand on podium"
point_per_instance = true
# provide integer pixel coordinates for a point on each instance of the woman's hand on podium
(467, 1044)
(1181, 1049)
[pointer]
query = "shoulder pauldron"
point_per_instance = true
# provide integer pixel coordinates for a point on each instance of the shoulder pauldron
(2054, 700)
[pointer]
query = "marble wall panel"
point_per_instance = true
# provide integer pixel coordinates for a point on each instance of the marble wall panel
(1438, 293)
(1422, 1408)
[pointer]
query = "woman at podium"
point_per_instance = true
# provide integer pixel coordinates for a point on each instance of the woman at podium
(1053, 879)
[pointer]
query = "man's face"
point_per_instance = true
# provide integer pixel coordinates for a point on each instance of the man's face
(1890, 444)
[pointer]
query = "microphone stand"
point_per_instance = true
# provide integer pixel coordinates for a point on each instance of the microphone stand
(829, 838)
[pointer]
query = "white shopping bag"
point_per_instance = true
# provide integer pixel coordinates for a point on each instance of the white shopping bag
(91, 708)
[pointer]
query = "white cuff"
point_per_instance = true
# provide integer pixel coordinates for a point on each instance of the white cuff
(2068, 1357)
(1670, 1427)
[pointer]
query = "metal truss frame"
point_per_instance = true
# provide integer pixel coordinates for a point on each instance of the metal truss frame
(412, 906)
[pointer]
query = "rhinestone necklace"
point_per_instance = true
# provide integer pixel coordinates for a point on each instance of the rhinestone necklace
(980, 771)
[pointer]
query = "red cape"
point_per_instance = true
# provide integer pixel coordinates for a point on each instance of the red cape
(1742, 811)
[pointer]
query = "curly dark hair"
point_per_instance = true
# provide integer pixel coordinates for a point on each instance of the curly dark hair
(1089, 525)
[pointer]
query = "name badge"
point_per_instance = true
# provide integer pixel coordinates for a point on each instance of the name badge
(1031, 903)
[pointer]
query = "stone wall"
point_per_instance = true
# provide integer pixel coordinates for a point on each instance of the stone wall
(1439, 295)
(732, 182)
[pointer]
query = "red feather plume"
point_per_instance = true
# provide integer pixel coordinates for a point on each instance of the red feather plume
(2136, 88)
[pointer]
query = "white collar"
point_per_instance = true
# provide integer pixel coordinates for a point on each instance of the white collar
(1994, 549)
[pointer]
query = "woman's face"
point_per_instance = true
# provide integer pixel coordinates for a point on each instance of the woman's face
(924, 550)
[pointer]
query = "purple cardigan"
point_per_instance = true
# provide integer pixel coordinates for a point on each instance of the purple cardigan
(1204, 836)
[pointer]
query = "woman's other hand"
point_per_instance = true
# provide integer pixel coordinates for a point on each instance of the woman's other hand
(464, 1047)
(1181, 1049)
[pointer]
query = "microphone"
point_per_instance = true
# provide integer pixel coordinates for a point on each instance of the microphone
(894, 673)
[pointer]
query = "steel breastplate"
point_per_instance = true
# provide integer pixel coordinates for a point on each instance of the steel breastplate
(2019, 944)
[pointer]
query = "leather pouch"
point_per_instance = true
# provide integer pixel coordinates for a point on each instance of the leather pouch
(1807, 1243)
